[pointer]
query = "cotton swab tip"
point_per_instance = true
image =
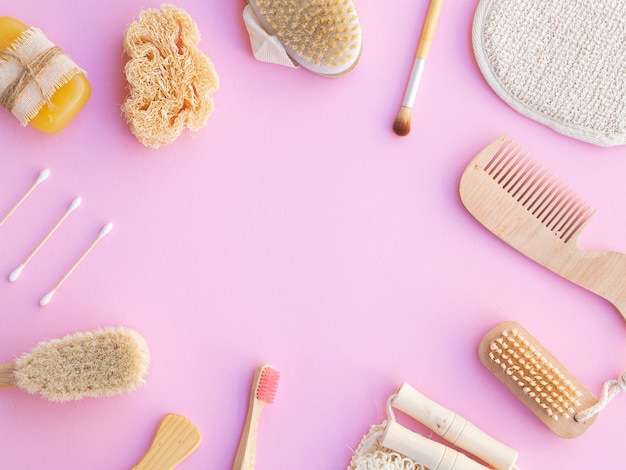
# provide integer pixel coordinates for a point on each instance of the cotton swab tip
(106, 229)
(43, 176)
(75, 203)
(45, 300)
(16, 273)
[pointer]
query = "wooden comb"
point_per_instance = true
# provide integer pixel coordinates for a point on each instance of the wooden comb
(527, 207)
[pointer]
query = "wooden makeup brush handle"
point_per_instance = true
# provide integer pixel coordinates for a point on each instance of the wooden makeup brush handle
(432, 17)
(7, 375)
(175, 438)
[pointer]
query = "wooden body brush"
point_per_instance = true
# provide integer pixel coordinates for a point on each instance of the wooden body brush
(537, 379)
(323, 36)
(175, 438)
(96, 363)
(524, 205)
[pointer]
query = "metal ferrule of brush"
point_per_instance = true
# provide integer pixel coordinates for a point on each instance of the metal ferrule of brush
(454, 428)
(414, 82)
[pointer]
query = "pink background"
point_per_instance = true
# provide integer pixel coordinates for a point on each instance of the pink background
(296, 229)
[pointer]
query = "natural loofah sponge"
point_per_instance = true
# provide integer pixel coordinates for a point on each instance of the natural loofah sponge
(170, 80)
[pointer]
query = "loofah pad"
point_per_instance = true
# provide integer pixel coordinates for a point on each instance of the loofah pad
(170, 80)
(560, 63)
(370, 455)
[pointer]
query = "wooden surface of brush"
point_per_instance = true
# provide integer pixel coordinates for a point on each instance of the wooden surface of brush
(527, 207)
(537, 378)
(176, 437)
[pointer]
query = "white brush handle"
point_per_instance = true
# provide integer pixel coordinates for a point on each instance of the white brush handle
(454, 428)
(429, 453)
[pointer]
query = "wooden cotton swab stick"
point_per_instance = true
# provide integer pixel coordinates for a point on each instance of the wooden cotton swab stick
(45, 300)
(17, 271)
(402, 124)
(40, 179)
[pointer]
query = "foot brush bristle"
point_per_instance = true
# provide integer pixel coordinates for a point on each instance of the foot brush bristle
(537, 378)
(323, 36)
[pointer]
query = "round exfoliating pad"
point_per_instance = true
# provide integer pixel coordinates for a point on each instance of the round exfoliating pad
(561, 63)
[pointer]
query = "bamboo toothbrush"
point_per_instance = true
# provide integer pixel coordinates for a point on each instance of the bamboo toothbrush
(527, 207)
(95, 363)
(175, 438)
(402, 124)
(263, 391)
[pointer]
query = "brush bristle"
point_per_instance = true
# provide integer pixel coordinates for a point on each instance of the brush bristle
(268, 384)
(402, 124)
(323, 33)
(101, 362)
(538, 378)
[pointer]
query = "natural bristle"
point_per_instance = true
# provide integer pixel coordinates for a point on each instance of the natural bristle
(402, 124)
(268, 384)
(101, 362)
(539, 379)
(323, 34)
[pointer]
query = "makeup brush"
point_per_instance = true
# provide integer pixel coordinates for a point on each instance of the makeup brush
(94, 363)
(402, 124)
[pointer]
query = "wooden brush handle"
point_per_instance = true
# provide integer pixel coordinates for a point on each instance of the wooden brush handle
(432, 17)
(7, 375)
(175, 438)
(429, 453)
(454, 428)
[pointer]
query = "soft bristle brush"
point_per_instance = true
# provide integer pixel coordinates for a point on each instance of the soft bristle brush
(524, 205)
(175, 438)
(537, 378)
(402, 124)
(263, 391)
(323, 36)
(96, 363)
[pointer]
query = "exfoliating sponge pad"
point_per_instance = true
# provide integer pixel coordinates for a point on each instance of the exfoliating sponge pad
(101, 362)
(170, 81)
(323, 36)
(560, 63)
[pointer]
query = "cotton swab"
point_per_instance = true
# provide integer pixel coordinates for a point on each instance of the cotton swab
(17, 271)
(45, 300)
(402, 124)
(40, 179)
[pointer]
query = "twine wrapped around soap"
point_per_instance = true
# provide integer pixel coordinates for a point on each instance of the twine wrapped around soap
(33, 70)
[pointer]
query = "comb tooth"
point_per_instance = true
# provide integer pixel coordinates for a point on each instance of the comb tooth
(549, 200)
(509, 169)
(497, 157)
(526, 173)
(571, 212)
(536, 191)
(577, 224)
(517, 174)
(502, 162)
(552, 218)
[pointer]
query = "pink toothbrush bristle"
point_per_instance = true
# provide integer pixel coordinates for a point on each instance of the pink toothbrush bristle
(268, 384)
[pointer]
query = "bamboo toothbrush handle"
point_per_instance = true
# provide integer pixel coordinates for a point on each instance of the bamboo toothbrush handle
(175, 438)
(7, 375)
(432, 17)
(246, 452)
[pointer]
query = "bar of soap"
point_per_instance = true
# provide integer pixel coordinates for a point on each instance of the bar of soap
(66, 99)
